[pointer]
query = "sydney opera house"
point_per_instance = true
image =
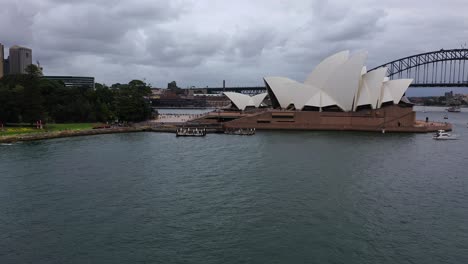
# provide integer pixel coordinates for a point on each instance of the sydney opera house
(339, 94)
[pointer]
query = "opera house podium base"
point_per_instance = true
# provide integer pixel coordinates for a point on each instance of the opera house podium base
(392, 118)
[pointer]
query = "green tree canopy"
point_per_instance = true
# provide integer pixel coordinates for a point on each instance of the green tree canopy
(131, 101)
(33, 70)
(30, 97)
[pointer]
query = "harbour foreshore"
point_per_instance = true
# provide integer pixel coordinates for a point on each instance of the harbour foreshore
(384, 120)
(76, 133)
(143, 127)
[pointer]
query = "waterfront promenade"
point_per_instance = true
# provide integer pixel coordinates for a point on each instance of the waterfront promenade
(167, 122)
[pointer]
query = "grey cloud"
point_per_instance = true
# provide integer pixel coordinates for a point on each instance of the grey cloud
(15, 23)
(91, 21)
(189, 49)
(347, 22)
(252, 41)
(203, 42)
(329, 11)
(151, 10)
(360, 26)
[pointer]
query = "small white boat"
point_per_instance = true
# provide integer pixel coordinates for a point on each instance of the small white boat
(442, 135)
(454, 109)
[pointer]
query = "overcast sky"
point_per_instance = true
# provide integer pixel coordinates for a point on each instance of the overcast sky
(202, 42)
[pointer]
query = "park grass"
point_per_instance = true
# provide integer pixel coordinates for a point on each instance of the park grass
(71, 126)
(26, 129)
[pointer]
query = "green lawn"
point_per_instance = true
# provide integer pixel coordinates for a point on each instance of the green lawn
(73, 126)
(26, 129)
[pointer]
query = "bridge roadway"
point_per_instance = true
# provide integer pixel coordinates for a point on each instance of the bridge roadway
(253, 90)
(259, 89)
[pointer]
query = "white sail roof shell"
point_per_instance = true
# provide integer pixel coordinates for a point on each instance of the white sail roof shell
(393, 90)
(321, 99)
(385, 95)
(343, 84)
(371, 86)
(322, 72)
(258, 99)
(242, 101)
(289, 92)
(398, 88)
(364, 70)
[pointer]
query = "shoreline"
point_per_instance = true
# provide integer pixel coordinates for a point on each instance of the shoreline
(78, 133)
(92, 132)
(418, 127)
(183, 108)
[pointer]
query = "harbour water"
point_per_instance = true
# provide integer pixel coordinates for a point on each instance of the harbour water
(276, 197)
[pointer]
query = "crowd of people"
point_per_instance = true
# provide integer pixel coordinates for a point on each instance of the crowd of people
(176, 118)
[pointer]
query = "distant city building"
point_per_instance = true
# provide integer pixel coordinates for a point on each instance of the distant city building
(74, 81)
(19, 59)
(2, 58)
(449, 95)
(156, 93)
(6, 67)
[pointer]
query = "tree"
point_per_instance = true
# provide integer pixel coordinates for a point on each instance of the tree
(131, 101)
(32, 104)
(104, 103)
(137, 83)
(33, 70)
(30, 97)
(11, 103)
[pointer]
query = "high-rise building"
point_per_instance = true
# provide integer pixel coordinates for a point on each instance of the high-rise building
(6, 67)
(2, 58)
(73, 81)
(19, 59)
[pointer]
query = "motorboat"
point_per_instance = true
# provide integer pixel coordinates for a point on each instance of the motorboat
(443, 135)
(454, 109)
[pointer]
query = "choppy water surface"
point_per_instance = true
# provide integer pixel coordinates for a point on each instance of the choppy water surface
(276, 197)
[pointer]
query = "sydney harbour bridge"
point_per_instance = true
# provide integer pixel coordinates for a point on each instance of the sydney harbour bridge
(442, 68)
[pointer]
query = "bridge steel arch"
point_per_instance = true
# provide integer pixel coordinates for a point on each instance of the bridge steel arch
(443, 68)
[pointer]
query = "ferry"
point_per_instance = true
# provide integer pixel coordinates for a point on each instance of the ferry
(190, 132)
(240, 131)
